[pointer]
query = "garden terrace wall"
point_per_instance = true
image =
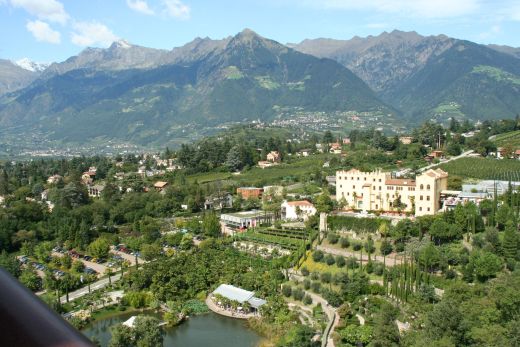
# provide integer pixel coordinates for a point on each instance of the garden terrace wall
(370, 225)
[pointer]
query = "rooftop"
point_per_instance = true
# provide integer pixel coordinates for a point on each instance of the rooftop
(234, 293)
(247, 214)
(299, 203)
(238, 294)
(400, 182)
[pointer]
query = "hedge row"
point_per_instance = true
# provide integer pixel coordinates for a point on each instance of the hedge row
(353, 223)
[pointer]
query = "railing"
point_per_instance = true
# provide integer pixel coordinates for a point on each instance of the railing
(326, 332)
(26, 321)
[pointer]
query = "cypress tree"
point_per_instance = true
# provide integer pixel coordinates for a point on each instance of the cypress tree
(510, 241)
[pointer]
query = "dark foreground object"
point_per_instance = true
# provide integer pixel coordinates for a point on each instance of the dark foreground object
(26, 321)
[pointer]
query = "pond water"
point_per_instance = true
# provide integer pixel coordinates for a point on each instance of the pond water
(198, 331)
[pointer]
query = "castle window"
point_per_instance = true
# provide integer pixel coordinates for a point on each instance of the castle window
(428, 187)
(422, 187)
(428, 198)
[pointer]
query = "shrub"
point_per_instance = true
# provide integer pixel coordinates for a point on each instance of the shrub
(333, 238)
(298, 294)
(340, 261)
(340, 278)
(376, 289)
(316, 286)
(352, 263)
(315, 276)
(329, 259)
(304, 271)
(510, 264)
(326, 277)
(399, 246)
(333, 297)
(386, 247)
(286, 290)
(369, 245)
(317, 256)
(307, 284)
(379, 269)
(307, 300)
(344, 242)
(450, 274)
(356, 245)
(344, 311)
(370, 267)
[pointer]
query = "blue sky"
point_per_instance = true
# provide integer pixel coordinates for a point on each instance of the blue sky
(53, 30)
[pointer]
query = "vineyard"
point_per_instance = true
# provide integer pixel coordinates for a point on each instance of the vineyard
(290, 239)
(511, 138)
(484, 168)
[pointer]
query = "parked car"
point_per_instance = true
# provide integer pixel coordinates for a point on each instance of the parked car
(90, 271)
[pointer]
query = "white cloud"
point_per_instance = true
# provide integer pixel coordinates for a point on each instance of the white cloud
(140, 6)
(515, 13)
(50, 10)
(492, 32)
(177, 9)
(92, 34)
(43, 32)
(408, 8)
(377, 25)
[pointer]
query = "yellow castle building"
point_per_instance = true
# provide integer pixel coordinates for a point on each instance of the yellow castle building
(379, 191)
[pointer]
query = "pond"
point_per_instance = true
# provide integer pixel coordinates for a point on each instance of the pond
(198, 331)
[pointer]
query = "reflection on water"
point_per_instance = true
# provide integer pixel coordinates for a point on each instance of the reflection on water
(198, 331)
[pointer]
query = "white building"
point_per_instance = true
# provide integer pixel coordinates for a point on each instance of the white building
(379, 191)
(297, 210)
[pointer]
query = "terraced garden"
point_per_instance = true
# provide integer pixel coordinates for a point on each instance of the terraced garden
(290, 239)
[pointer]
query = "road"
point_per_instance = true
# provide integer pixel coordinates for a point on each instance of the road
(465, 154)
(102, 283)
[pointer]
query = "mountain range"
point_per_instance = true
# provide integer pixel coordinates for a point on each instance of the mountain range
(153, 96)
(430, 76)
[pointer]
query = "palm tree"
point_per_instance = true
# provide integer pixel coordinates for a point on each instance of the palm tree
(108, 272)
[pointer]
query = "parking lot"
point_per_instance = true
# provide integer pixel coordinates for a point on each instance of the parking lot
(99, 268)
(126, 256)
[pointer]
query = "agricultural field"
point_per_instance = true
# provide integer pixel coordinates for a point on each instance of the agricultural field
(508, 139)
(296, 170)
(484, 168)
